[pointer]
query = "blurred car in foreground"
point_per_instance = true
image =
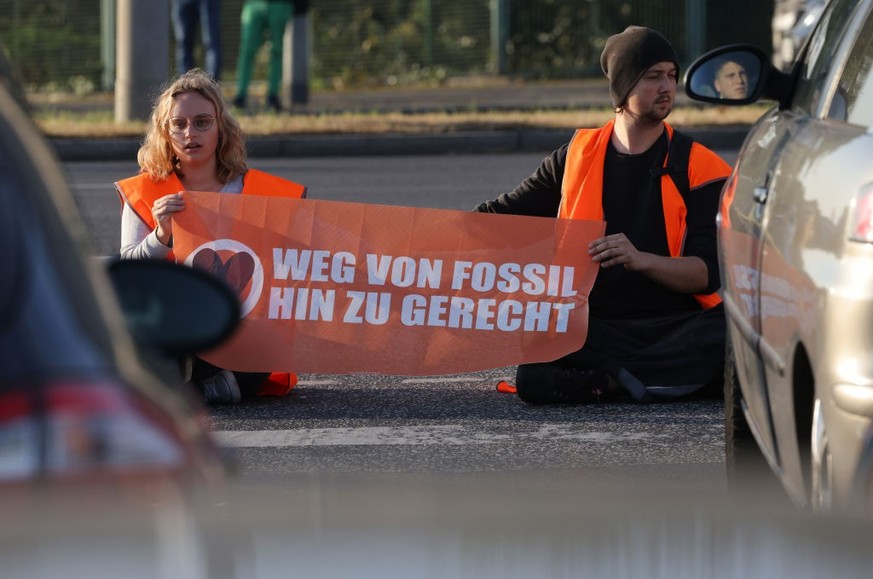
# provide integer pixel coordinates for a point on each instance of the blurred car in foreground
(87, 392)
(796, 253)
(106, 458)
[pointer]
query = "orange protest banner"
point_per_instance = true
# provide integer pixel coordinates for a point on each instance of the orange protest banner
(337, 288)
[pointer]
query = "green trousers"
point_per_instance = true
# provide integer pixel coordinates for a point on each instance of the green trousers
(257, 17)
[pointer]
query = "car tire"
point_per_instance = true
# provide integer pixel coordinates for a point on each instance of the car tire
(821, 463)
(747, 471)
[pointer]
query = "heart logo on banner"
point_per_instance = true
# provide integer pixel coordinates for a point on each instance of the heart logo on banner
(236, 271)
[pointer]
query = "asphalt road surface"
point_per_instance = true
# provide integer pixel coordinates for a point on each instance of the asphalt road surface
(350, 425)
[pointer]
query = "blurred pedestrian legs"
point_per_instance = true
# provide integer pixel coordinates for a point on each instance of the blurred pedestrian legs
(258, 17)
(186, 16)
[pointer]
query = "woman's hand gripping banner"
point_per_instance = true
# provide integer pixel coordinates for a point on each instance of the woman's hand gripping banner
(337, 288)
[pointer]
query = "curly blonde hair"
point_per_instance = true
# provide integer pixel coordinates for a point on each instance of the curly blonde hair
(156, 157)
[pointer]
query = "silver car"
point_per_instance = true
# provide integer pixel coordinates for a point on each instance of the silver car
(796, 254)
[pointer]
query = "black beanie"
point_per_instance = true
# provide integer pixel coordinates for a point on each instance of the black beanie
(628, 55)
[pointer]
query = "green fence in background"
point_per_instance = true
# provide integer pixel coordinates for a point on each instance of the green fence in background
(60, 43)
(398, 41)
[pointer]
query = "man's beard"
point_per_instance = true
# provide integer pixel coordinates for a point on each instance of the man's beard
(652, 116)
(657, 116)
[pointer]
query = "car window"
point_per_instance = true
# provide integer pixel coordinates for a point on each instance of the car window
(853, 99)
(815, 66)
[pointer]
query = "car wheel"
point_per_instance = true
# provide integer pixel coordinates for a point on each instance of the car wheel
(746, 468)
(821, 462)
(739, 443)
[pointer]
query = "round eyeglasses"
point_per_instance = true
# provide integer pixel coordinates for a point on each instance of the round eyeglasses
(200, 123)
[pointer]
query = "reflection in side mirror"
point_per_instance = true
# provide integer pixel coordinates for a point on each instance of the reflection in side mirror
(731, 75)
(176, 309)
(731, 78)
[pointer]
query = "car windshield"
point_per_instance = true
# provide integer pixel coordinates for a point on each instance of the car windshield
(815, 69)
(853, 100)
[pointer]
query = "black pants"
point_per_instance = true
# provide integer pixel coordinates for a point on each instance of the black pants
(249, 382)
(655, 357)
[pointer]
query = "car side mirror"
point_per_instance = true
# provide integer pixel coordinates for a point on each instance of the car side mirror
(737, 74)
(176, 309)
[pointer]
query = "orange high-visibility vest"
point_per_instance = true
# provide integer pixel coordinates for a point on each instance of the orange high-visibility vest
(582, 187)
(141, 191)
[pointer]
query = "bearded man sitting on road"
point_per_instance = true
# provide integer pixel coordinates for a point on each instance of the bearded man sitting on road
(656, 324)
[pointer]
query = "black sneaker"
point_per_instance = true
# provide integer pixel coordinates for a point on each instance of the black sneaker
(222, 389)
(273, 104)
(553, 384)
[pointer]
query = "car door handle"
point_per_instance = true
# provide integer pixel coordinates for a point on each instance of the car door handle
(760, 194)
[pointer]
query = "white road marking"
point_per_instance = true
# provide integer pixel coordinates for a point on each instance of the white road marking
(441, 380)
(414, 436)
(317, 382)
